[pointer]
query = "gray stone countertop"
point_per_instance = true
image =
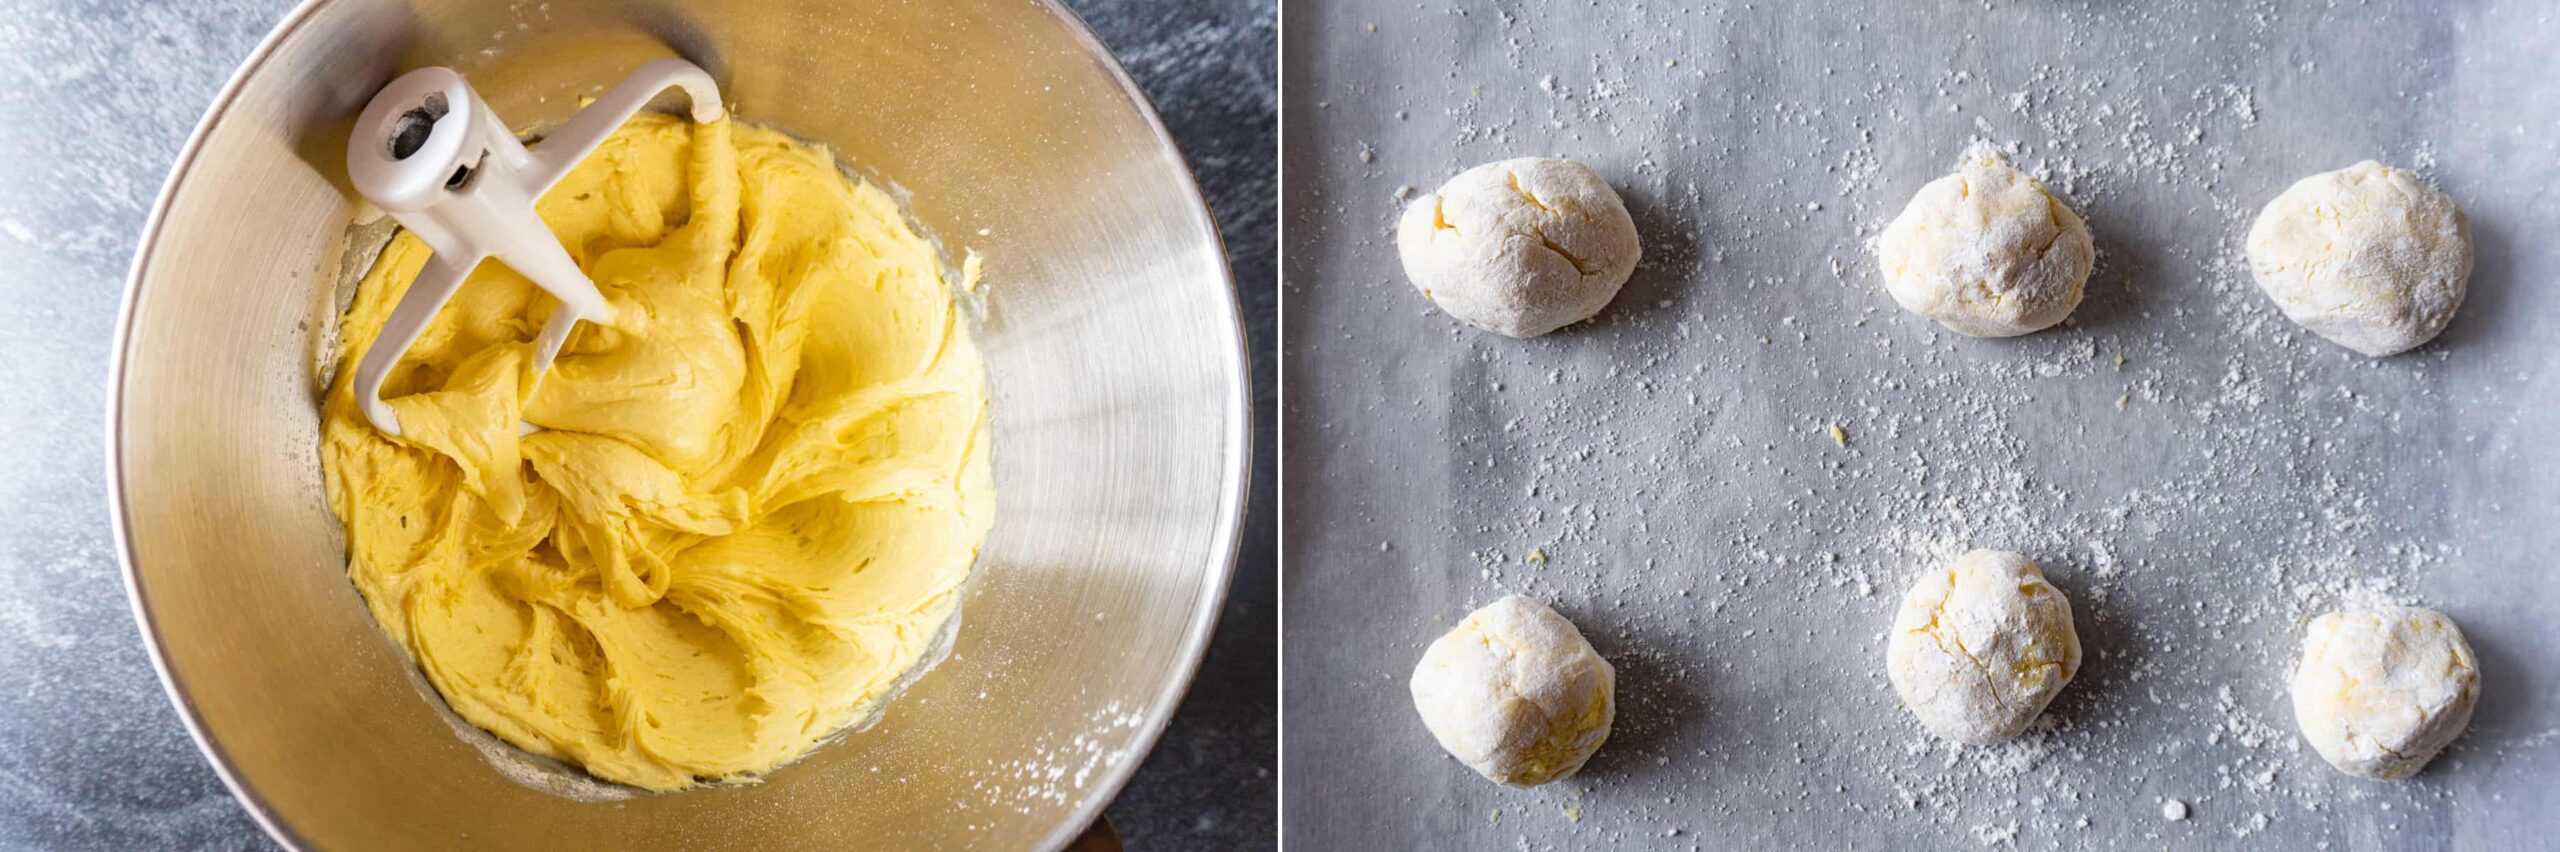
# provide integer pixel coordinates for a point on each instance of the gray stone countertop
(91, 754)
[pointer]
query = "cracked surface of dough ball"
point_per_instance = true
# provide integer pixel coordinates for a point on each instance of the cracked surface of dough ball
(2366, 256)
(2380, 691)
(1516, 693)
(1981, 646)
(1520, 247)
(1987, 252)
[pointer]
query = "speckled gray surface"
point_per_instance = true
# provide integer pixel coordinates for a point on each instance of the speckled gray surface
(2198, 474)
(96, 98)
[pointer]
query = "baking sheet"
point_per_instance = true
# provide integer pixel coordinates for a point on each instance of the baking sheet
(2197, 473)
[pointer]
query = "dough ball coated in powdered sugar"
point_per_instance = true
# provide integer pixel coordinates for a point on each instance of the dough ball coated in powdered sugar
(1981, 646)
(1520, 247)
(2366, 256)
(1516, 693)
(1986, 251)
(2378, 692)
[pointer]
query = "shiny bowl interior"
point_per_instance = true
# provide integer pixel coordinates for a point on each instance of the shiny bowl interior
(1109, 329)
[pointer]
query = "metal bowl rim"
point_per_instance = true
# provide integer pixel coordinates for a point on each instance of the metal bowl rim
(1226, 541)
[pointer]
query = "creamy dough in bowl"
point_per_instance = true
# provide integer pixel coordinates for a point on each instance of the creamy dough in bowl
(752, 500)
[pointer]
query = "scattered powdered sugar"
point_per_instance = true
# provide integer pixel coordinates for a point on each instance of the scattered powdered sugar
(1729, 477)
(1057, 772)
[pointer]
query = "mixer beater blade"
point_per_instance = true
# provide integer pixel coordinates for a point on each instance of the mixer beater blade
(431, 153)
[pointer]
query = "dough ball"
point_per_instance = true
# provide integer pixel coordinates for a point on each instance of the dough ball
(2378, 692)
(1516, 693)
(2365, 256)
(1520, 247)
(1987, 252)
(1981, 646)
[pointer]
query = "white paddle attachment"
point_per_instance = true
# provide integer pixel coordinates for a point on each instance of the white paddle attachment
(428, 151)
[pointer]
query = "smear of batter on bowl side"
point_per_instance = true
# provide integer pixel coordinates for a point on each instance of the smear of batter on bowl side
(753, 499)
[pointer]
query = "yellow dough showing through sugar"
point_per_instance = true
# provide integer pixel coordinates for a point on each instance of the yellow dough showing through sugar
(754, 498)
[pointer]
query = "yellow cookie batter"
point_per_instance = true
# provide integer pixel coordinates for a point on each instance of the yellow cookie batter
(755, 496)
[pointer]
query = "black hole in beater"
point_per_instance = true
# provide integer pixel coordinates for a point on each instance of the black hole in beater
(460, 176)
(409, 132)
(414, 127)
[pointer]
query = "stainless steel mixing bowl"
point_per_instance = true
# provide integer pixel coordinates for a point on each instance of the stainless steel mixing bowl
(1111, 339)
